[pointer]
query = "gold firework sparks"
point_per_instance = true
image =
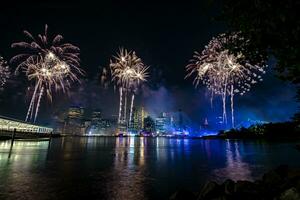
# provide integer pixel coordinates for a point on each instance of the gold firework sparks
(50, 63)
(128, 72)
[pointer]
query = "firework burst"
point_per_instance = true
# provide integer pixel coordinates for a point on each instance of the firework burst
(43, 45)
(4, 72)
(51, 64)
(128, 72)
(225, 72)
(47, 74)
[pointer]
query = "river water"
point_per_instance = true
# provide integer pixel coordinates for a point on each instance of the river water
(131, 168)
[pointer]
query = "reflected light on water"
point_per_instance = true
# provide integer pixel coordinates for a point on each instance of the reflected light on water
(235, 168)
(130, 168)
(16, 165)
(128, 178)
(20, 150)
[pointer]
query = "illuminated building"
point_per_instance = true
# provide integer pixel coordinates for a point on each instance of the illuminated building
(163, 123)
(85, 126)
(180, 123)
(137, 123)
(75, 113)
(96, 117)
(99, 126)
(144, 114)
(75, 124)
(149, 125)
(177, 121)
(104, 127)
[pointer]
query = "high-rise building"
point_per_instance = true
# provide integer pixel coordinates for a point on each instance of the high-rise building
(104, 127)
(137, 123)
(76, 113)
(100, 125)
(74, 121)
(163, 123)
(179, 121)
(149, 125)
(96, 117)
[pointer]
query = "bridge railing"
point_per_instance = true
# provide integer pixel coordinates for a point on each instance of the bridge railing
(22, 127)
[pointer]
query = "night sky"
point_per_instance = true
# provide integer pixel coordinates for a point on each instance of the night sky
(164, 35)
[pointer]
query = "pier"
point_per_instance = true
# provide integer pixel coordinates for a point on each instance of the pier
(18, 129)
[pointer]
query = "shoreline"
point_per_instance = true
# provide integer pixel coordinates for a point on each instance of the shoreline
(211, 137)
(282, 183)
(194, 138)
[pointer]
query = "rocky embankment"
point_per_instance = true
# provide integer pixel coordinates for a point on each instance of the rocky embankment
(282, 183)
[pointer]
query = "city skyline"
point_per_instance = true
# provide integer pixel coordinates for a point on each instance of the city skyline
(193, 100)
(167, 90)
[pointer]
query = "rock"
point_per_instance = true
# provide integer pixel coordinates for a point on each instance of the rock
(258, 182)
(210, 190)
(290, 194)
(294, 174)
(272, 184)
(282, 171)
(247, 190)
(279, 184)
(289, 178)
(183, 194)
(228, 187)
(271, 178)
(223, 197)
(245, 186)
(297, 185)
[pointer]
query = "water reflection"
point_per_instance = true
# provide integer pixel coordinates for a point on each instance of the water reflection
(20, 151)
(16, 165)
(128, 178)
(235, 168)
(130, 168)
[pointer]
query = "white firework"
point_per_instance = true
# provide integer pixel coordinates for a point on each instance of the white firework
(226, 73)
(128, 72)
(4, 72)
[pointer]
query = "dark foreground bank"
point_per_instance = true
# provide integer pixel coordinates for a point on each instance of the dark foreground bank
(283, 183)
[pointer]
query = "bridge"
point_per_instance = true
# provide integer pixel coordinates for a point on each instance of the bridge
(22, 129)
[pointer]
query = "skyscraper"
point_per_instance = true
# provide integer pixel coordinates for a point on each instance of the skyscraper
(74, 121)
(75, 113)
(149, 125)
(163, 123)
(137, 123)
(96, 117)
